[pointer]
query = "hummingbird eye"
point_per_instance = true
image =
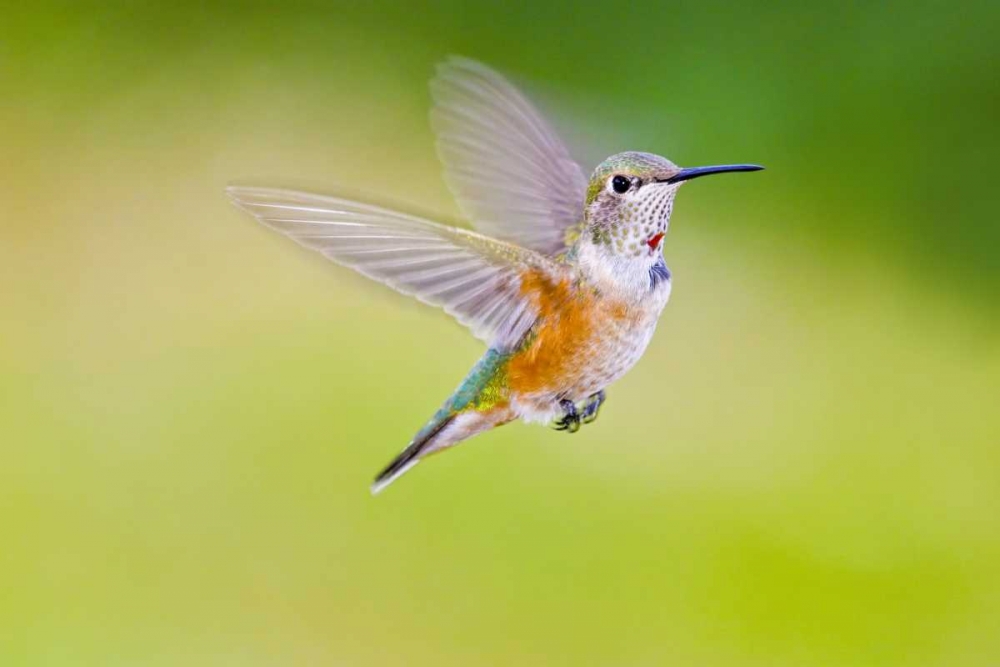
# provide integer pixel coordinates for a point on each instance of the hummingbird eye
(620, 184)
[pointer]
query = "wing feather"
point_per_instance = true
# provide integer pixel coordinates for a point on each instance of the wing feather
(510, 173)
(474, 278)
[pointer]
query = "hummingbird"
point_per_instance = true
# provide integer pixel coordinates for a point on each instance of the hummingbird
(564, 279)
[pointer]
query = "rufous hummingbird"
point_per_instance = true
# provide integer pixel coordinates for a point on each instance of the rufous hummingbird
(565, 283)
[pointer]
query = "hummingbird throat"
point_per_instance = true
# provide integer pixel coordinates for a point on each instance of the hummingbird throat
(654, 241)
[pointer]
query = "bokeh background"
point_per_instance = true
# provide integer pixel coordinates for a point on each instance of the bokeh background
(802, 471)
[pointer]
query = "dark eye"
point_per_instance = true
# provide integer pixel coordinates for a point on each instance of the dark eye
(620, 184)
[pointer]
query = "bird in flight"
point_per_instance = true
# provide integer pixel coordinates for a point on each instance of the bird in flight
(564, 279)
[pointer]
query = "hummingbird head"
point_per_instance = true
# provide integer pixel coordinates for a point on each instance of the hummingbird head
(630, 198)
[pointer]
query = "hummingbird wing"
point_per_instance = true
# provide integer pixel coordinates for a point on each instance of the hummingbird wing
(474, 278)
(510, 173)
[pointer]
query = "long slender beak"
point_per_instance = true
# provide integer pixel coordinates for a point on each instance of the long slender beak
(695, 172)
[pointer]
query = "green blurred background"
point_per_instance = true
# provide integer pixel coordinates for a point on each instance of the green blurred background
(802, 471)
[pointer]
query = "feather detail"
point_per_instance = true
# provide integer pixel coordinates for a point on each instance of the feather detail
(510, 173)
(474, 278)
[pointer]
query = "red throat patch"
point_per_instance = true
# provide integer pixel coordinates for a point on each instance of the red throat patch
(654, 241)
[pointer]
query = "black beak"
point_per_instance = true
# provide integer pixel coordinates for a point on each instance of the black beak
(695, 172)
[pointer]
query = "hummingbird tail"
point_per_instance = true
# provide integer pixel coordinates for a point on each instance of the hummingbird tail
(410, 456)
(445, 430)
(463, 415)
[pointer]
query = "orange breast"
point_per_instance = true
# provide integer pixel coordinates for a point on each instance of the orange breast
(570, 324)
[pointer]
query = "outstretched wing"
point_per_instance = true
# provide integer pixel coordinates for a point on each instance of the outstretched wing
(510, 173)
(474, 278)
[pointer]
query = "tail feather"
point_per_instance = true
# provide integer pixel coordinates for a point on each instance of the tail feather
(410, 456)
(458, 419)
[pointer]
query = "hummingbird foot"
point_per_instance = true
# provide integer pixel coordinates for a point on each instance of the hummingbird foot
(592, 406)
(571, 418)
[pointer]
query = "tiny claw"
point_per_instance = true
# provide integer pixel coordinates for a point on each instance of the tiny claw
(569, 424)
(571, 418)
(592, 407)
(569, 427)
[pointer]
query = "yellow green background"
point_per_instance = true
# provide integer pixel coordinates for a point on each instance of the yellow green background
(802, 471)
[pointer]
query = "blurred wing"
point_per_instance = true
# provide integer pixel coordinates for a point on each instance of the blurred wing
(510, 173)
(475, 279)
